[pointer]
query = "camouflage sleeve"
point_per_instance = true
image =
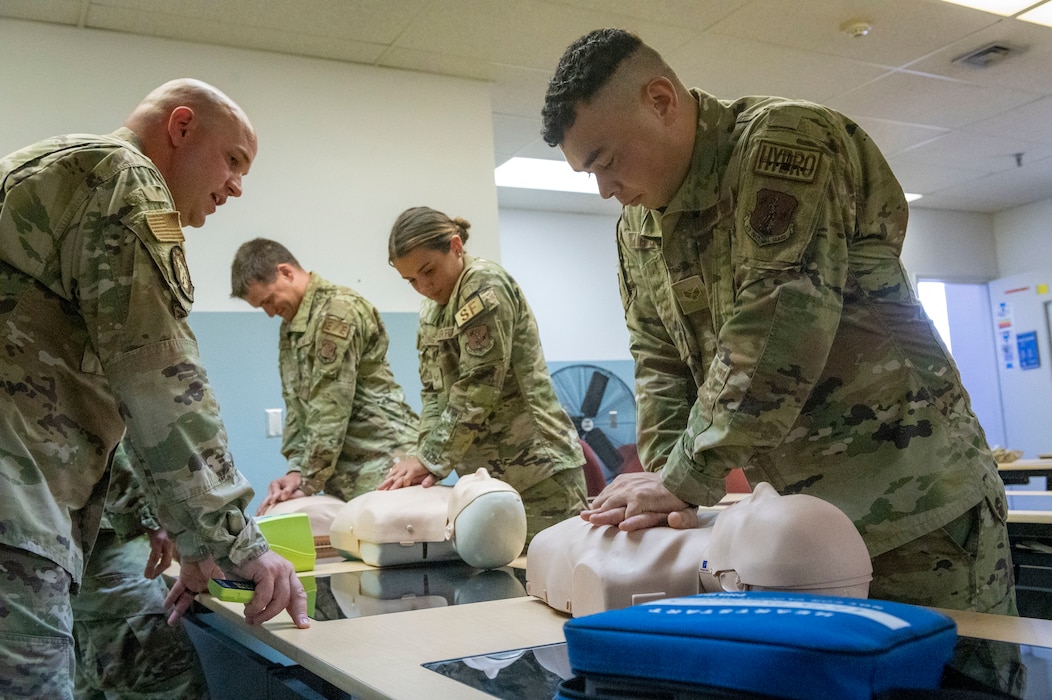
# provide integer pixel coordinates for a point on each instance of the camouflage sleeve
(337, 352)
(293, 434)
(134, 293)
(431, 407)
(664, 385)
(485, 321)
(128, 512)
(790, 265)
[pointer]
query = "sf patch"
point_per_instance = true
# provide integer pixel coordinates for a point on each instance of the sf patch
(787, 162)
(771, 219)
(181, 272)
(479, 339)
(470, 310)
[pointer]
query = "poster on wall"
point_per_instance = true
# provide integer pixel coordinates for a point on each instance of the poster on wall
(1003, 319)
(1007, 350)
(1028, 355)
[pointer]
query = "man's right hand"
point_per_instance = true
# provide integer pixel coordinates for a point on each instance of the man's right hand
(277, 588)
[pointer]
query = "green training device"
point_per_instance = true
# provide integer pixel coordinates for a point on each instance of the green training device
(290, 535)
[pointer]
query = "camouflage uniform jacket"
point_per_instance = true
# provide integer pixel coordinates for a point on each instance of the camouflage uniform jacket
(773, 327)
(94, 294)
(345, 413)
(488, 399)
(128, 512)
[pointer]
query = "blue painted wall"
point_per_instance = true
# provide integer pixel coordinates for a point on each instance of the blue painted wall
(240, 352)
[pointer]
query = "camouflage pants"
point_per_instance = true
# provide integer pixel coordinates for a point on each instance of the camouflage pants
(560, 496)
(36, 627)
(348, 482)
(965, 565)
(124, 646)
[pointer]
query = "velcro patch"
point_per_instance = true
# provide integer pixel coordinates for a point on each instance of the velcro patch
(165, 227)
(771, 220)
(181, 273)
(470, 310)
(690, 293)
(334, 325)
(787, 162)
(479, 340)
(445, 333)
(327, 351)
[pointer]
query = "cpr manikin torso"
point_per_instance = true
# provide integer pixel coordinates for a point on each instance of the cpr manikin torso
(765, 541)
(479, 520)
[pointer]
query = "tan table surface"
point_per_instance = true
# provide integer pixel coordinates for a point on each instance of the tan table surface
(380, 656)
(1025, 465)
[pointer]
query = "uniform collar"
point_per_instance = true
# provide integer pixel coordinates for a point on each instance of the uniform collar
(701, 187)
(303, 313)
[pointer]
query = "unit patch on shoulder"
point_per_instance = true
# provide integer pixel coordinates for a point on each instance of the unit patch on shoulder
(164, 225)
(334, 325)
(771, 220)
(470, 310)
(479, 340)
(327, 351)
(181, 272)
(787, 162)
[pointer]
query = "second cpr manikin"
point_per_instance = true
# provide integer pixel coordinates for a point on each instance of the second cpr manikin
(764, 542)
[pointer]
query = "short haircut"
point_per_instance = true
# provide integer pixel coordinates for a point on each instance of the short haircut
(257, 261)
(585, 67)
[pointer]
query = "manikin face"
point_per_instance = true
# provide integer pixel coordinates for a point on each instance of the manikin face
(207, 166)
(623, 143)
(278, 298)
(433, 273)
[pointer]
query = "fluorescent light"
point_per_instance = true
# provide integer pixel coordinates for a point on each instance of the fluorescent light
(1042, 14)
(543, 174)
(1005, 8)
(912, 197)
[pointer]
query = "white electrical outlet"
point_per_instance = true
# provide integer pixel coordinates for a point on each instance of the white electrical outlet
(275, 423)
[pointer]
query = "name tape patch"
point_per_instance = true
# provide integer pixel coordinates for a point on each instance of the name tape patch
(787, 162)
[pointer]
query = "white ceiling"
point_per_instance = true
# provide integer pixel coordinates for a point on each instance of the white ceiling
(950, 131)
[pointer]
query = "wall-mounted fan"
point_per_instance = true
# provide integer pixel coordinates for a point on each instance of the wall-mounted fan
(602, 409)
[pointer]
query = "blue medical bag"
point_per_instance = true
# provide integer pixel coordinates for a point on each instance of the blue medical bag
(758, 645)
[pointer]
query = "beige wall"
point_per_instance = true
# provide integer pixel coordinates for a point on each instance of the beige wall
(343, 148)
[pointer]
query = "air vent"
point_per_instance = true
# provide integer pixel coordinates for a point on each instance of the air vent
(987, 55)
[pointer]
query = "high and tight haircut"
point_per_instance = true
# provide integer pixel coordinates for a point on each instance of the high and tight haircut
(585, 67)
(424, 227)
(257, 261)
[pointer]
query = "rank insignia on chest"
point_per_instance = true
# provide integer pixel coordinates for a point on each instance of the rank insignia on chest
(690, 294)
(787, 162)
(470, 310)
(334, 325)
(771, 220)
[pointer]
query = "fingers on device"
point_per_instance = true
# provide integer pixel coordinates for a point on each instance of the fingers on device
(231, 591)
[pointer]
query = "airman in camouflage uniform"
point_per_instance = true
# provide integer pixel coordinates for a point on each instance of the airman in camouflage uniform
(94, 294)
(773, 326)
(346, 418)
(124, 645)
(488, 399)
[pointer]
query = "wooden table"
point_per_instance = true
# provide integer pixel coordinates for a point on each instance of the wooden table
(1021, 470)
(381, 656)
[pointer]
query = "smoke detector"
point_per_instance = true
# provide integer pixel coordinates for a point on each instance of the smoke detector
(856, 28)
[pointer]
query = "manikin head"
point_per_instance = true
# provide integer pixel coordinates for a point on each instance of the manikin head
(486, 521)
(769, 542)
